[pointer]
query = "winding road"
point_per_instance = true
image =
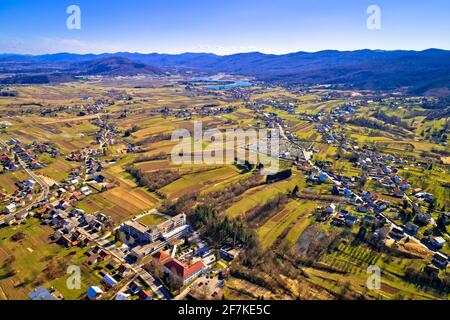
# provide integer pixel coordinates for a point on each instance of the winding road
(45, 188)
(392, 223)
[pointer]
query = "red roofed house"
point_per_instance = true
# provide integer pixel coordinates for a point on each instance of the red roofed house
(161, 257)
(185, 273)
(145, 295)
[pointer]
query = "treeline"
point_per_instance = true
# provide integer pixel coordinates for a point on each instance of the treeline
(275, 272)
(442, 152)
(223, 199)
(154, 180)
(154, 139)
(271, 178)
(154, 157)
(220, 229)
(438, 114)
(244, 166)
(375, 124)
(260, 213)
(8, 93)
(7, 268)
(184, 204)
(365, 122)
(427, 279)
(394, 120)
(441, 103)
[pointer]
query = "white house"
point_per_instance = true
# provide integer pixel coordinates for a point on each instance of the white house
(11, 208)
(438, 242)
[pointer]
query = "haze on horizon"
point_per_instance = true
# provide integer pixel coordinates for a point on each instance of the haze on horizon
(221, 27)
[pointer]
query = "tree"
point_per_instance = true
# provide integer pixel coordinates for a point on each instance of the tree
(18, 236)
(431, 206)
(175, 282)
(156, 269)
(362, 181)
(295, 191)
(127, 134)
(346, 288)
(405, 204)
(440, 223)
(361, 233)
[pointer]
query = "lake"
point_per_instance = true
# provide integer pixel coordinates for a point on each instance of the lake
(222, 84)
(231, 85)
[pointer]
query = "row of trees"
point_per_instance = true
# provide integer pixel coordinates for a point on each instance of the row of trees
(428, 279)
(221, 229)
(394, 120)
(154, 180)
(185, 204)
(222, 199)
(260, 213)
(367, 123)
(153, 157)
(154, 139)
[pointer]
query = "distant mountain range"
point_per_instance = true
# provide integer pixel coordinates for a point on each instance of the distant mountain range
(422, 72)
(114, 66)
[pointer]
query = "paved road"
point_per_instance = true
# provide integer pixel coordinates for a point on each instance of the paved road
(392, 223)
(45, 188)
(114, 251)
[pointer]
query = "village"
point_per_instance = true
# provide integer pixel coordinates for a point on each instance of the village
(140, 227)
(383, 171)
(130, 250)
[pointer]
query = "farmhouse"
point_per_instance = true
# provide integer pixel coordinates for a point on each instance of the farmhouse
(123, 296)
(145, 295)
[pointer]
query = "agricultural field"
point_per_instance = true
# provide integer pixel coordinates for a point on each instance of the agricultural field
(434, 182)
(287, 224)
(35, 261)
(57, 169)
(197, 182)
(293, 253)
(351, 263)
(119, 207)
(252, 197)
(8, 180)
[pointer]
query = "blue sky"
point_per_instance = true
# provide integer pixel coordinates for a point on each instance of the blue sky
(221, 26)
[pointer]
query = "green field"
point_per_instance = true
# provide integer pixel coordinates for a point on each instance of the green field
(296, 216)
(199, 181)
(8, 180)
(32, 256)
(354, 261)
(252, 197)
